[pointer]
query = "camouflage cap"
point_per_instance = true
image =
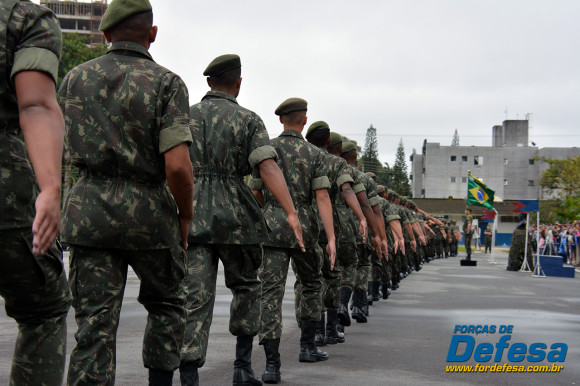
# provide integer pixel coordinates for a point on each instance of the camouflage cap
(119, 10)
(348, 146)
(291, 105)
(318, 125)
(222, 64)
(380, 189)
(335, 138)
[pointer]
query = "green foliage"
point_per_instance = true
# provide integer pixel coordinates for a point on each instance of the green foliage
(569, 209)
(562, 179)
(401, 183)
(75, 50)
(370, 156)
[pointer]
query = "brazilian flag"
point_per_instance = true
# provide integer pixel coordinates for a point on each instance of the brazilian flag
(478, 193)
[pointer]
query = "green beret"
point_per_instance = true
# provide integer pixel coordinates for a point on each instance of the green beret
(380, 189)
(348, 146)
(318, 125)
(335, 138)
(222, 64)
(119, 10)
(291, 105)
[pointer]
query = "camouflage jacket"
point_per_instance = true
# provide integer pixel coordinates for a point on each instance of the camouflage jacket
(122, 112)
(230, 142)
(305, 170)
(389, 214)
(468, 220)
(342, 216)
(371, 190)
(30, 40)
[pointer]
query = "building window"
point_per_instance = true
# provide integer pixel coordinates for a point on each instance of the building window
(509, 219)
(464, 180)
(453, 180)
(531, 183)
(464, 158)
(531, 161)
(411, 177)
(505, 182)
(478, 160)
(423, 192)
(453, 158)
(505, 161)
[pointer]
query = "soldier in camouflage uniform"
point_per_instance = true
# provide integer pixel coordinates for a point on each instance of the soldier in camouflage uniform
(304, 167)
(127, 132)
(344, 202)
(32, 279)
(229, 225)
(487, 237)
(468, 232)
(364, 249)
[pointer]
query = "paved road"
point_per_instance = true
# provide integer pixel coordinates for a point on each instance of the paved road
(406, 341)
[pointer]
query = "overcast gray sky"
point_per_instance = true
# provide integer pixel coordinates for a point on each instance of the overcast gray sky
(414, 69)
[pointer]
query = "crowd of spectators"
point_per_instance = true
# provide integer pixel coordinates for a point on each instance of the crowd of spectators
(559, 239)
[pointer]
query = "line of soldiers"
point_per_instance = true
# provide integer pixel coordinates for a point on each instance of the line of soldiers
(147, 161)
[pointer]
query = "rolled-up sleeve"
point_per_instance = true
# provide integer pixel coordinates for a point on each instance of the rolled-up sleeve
(320, 183)
(262, 153)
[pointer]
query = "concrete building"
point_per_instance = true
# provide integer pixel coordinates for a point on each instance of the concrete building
(79, 17)
(510, 166)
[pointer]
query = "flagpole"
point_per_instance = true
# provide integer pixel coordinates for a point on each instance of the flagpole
(525, 266)
(538, 271)
(491, 260)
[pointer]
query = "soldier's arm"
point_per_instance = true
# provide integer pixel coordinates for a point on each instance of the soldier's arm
(398, 232)
(179, 174)
(409, 231)
(371, 220)
(274, 180)
(325, 210)
(381, 227)
(43, 128)
(417, 228)
(352, 202)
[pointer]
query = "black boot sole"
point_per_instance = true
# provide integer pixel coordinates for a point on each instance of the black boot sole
(269, 377)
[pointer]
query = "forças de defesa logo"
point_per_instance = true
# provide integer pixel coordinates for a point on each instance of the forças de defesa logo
(463, 346)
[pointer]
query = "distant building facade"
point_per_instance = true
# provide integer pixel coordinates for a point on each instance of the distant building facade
(510, 166)
(79, 17)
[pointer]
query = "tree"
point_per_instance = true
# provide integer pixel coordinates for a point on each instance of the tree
(76, 50)
(562, 180)
(400, 178)
(370, 156)
(455, 141)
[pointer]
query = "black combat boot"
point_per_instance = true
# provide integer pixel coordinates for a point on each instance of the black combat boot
(386, 289)
(333, 336)
(160, 377)
(375, 287)
(343, 316)
(308, 350)
(370, 293)
(319, 336)
(357, 310)
(272, 373)
(188, 375)
(243, 374)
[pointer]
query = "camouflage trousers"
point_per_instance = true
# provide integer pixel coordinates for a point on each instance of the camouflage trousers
(241, 264)
(273, 274)
(382, 269)
(363, 267)
(347, 259)
(36, 295)
(487, 244)
(467, 239)
(98, 278)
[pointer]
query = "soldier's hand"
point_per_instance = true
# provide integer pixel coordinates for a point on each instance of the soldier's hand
(331, 251)
(402, 246)
(364, 230)
(385, 249)
(414, 245)
(297, 229)
(46, 223)
(396, 247)
(376, 244)
(184, 222)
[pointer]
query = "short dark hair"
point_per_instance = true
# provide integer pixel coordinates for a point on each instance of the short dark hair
(333, 149)
(135, 28)
(319, 137)
(226, 79)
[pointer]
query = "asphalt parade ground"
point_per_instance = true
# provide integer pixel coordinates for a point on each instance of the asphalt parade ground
(407, 339)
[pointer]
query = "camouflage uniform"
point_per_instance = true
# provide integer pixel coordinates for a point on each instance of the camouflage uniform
(228, 224)
(518, 248)
(487, 238)
(364, 249)
(34, 288)
(122, 112)
(383, 270)
(304, 168)
(467, 236)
